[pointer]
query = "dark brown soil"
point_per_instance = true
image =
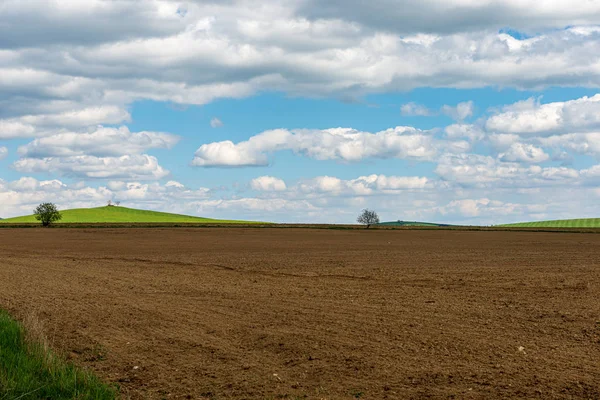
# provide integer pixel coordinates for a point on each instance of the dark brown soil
(321, 314)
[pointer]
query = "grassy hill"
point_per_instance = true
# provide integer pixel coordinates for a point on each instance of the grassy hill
(562, 223)
(108, 214)
(410, 223)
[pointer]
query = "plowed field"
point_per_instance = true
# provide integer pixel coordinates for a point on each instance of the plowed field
(321, 314)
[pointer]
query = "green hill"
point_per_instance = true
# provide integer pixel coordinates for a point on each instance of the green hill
(114, 214)
(561, 223)
(410, 223)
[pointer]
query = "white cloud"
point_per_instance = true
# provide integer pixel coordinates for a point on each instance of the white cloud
(580, 143)
(268, 184)
(216, 123)
(414, 109)
(526, 153)
(443, 16)
(263, 206)
(3, 152)
(592, 174)
(125, 167)
(469, 131)
(324, 184)
(175, 185)
(472, 170)
(467, 207)
(116, 185)
(103, 141)
(503, 141)
(15, 129)
(344, 144)
(236, 49)
(44, 124)
(459, 112)
(362, 186)
(249, 153)
(485, 208)
(81, 117)
(323, 199)
(532, 118)
(25, 184)
(94, 21)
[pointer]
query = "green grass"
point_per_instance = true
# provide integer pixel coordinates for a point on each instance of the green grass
(410, 223)
(115, 214)
(564, 223)
(30, 371)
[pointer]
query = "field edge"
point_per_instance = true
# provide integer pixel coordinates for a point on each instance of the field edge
(30, 369)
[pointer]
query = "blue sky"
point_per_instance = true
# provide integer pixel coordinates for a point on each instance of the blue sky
(300, 111)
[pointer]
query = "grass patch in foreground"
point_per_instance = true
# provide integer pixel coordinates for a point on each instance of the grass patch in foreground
(30, 370)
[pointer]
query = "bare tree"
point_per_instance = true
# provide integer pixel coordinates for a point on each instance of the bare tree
(368, 217)
(47, 213)
(109, 203)
(117, 203)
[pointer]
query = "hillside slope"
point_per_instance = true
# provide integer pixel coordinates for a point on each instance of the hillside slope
(108, 214)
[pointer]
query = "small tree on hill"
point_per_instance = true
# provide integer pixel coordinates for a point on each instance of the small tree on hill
(368, 217)
(47, 213)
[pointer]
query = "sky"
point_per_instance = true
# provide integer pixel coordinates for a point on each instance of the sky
(455, 111)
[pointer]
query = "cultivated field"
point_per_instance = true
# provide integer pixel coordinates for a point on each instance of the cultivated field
(322, 314)
(560, 223)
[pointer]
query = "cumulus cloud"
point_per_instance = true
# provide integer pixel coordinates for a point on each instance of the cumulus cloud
(459, 112)
(484, 207)
(362, 186)
(526, 153)
(125, 167)
(320, 199)
(503, 141)
(268, 184)
(473, 170)
(3, 152)
(95, 21)
(442, 16)
(469, 131)
(580, 143)
(414, 109)
(216, 123)
(344, 144)
(103, 141)
(103, 153)
(532, 118)
(153, 50)
(15, 129)
(43, 124)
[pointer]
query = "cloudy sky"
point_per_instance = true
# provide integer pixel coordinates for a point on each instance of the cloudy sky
(461, 111)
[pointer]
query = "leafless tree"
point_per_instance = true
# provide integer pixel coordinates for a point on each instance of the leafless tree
(368, 217)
